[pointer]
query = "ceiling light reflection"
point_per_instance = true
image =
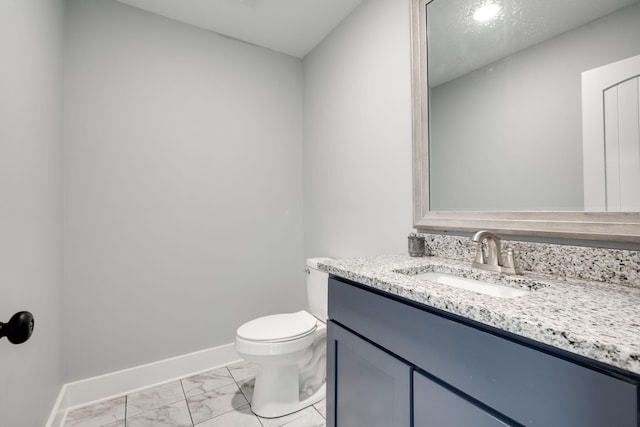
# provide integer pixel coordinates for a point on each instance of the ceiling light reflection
(486, 12)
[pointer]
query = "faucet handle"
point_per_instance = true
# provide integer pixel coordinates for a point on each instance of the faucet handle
(511, 263)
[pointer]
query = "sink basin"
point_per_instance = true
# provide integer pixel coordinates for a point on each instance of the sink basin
(473, 285)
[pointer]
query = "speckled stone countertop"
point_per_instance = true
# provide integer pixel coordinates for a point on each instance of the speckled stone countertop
(592, 319)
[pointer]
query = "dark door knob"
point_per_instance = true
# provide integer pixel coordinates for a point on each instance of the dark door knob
(19, 328)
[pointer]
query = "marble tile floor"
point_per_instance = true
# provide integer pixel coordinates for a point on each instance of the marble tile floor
(217, 398)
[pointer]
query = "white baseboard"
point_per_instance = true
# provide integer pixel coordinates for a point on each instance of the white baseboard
(119, 383)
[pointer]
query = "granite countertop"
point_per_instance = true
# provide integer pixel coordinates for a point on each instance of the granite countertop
(592, 319)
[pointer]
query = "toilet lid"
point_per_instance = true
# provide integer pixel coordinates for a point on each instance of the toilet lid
(278, 327)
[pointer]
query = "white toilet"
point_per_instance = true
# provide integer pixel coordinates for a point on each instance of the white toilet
(290, 351)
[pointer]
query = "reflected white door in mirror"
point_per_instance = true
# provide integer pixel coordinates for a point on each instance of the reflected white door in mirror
(611, 119)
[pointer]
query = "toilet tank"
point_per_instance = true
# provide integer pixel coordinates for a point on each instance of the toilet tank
(317, 289)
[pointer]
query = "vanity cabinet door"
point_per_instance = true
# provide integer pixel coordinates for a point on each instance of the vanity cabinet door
(436, 406)
(367, 387)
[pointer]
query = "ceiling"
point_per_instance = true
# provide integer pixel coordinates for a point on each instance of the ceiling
(293, 27)
(457, 44)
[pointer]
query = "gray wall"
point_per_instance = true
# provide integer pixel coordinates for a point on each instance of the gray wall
(357, 124)
(183, 187)
(30, 212)
(521, 118)
(183, 168)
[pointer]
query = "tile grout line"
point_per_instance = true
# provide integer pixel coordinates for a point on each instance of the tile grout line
(223, 413)
(239, 389)
(318, 411)
(186, 402)
(241, 392)
(245, 396)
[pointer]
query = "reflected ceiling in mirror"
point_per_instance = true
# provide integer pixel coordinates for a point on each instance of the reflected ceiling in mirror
(505, 105)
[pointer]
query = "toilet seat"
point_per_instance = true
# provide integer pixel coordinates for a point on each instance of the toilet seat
(278, 327)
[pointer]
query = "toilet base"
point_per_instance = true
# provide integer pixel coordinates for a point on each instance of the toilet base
(272, 408)
(282, 388)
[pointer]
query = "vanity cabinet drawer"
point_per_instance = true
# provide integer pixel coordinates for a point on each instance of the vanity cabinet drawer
(522, 383)
(435, 405)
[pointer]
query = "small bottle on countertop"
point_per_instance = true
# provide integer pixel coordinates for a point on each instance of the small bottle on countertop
(417, 245)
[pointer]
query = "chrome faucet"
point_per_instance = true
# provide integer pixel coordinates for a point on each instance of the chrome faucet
(491, 259)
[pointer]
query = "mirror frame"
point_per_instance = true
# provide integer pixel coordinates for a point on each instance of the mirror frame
(598, 226)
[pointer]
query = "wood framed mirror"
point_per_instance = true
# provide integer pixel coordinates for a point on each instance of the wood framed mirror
(493, 149)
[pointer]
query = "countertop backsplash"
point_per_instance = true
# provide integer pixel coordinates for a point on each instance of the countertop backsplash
(614, 266)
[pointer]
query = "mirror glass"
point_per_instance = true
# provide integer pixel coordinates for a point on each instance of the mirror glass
(533, 105)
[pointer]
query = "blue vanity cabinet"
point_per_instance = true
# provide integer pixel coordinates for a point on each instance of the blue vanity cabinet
(388, 355)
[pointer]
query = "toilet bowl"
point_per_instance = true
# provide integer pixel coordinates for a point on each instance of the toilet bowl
(290, 352)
